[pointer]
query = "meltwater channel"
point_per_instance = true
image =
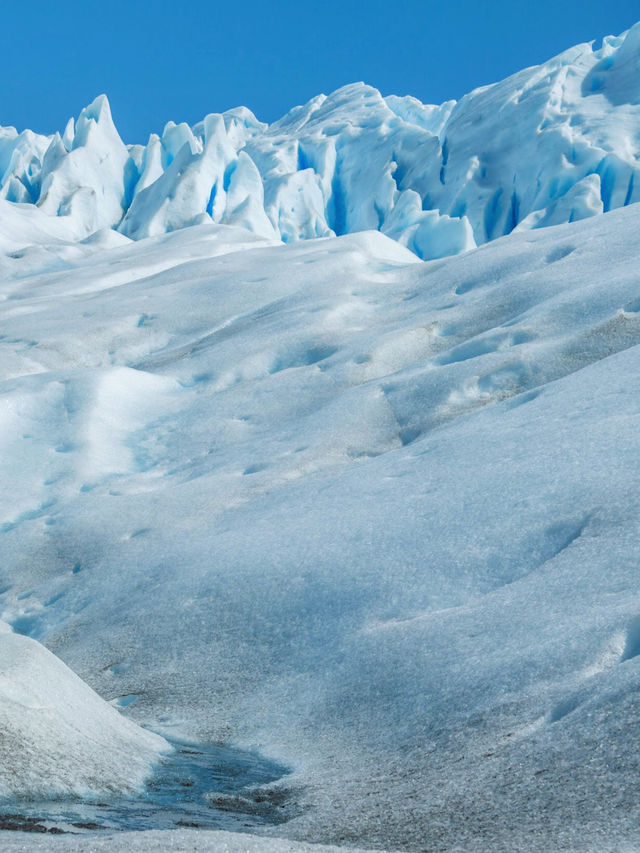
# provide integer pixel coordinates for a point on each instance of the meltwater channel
(205, 787)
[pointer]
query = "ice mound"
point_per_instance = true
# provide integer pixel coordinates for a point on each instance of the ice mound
(58, 737)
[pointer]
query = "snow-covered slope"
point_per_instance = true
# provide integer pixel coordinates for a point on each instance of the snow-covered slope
(375, 517)
(552, 144)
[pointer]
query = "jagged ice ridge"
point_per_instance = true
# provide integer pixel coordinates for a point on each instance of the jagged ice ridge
(552, 144)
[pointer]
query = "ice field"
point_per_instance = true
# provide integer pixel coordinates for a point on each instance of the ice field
(342, 476)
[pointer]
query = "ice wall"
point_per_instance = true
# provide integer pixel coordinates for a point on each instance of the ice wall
(554, 143)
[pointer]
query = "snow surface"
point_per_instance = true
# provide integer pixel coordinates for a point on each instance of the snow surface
(58, 737)
(554, 143)
(375, 517)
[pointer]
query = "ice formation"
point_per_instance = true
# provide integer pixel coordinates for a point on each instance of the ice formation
(552, 144)
(58, 737)
(373, 516)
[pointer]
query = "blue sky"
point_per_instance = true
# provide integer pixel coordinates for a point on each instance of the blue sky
(165, 60)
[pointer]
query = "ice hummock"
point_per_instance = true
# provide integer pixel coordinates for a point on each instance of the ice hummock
(59, 738)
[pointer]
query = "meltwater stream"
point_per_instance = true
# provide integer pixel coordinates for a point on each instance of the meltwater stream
(208, 787)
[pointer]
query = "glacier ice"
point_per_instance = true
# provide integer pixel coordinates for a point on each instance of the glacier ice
(178, 839)
(375, 517)
(551, 144)
(58, 737)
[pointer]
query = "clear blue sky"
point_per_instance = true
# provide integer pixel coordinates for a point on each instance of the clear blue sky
(160, 60)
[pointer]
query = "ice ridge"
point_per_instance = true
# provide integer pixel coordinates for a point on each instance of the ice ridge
(552, 144)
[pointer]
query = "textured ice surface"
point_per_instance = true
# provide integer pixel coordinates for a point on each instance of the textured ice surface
(179, 840)
(374, 517)
(192, 785)
(554, 143)
(58, 737)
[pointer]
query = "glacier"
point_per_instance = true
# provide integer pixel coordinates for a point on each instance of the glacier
(320, 439)
(555, 143)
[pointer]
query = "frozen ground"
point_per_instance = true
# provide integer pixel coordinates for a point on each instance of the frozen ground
(373, 518)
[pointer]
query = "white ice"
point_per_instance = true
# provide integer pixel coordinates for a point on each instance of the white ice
(58, 737)
(554, 143)
(374, 517)
(179, 840)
